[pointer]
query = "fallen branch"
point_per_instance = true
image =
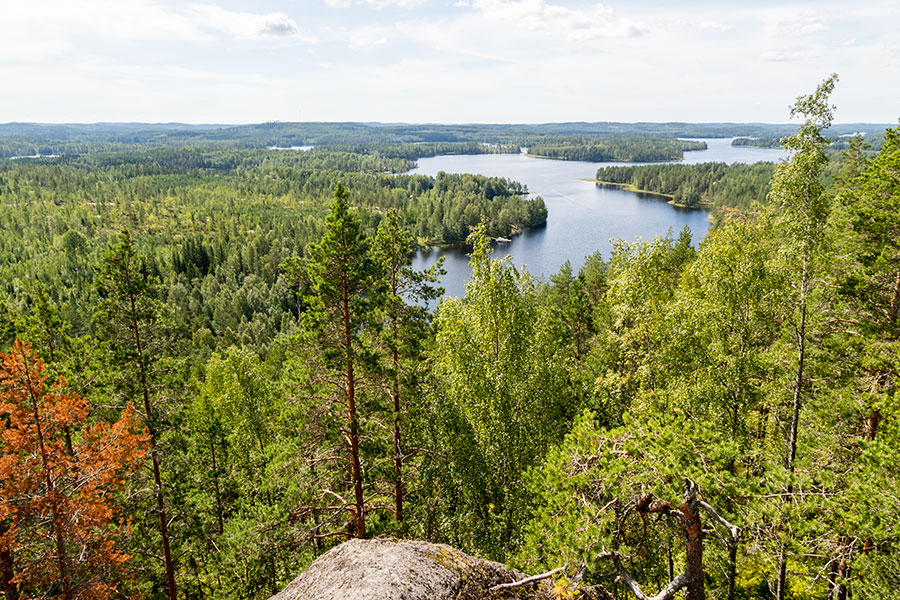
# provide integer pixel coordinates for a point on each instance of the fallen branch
(527, 580)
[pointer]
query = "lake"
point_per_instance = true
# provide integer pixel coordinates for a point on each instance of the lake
(582, 217)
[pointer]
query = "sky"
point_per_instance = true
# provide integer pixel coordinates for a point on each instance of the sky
(444, 61)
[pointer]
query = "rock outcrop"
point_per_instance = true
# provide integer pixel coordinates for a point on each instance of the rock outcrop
(405, 570)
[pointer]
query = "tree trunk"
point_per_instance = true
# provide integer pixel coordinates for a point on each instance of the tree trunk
(350, 383)
(732, 568)
(215, 466)
(842, 569)
(7, 572)
(398, 456)
(872, 424)
(157, 478)
(895, 300)
(795, 420)
(693, 567)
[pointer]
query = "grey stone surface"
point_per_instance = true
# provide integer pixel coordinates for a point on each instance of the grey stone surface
(401, 570)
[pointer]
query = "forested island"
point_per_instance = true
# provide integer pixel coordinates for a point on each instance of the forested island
(216, 364)
(764, 142)
(713, 185)
(630, 149)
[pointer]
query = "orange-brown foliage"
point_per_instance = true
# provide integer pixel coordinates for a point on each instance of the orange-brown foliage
(58, 509)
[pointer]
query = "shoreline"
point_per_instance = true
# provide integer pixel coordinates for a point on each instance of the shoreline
(431, 244)
(628, 187)
(635, 162)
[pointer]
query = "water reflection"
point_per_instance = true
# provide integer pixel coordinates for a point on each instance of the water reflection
(583, 216)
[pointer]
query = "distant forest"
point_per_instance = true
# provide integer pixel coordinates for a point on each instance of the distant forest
(27, 139)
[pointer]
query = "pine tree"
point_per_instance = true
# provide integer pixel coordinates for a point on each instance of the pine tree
(128, 313)
(57, 498)
(341, 277)
(404, 324)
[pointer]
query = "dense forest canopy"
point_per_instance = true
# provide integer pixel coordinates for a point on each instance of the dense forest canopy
(245, 374)
(715, 185)
(629, 149)
(28, 139)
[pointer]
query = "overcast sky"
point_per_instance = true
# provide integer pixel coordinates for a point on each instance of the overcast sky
(451, 61)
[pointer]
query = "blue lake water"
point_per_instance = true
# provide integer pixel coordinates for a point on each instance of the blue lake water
(582, 217)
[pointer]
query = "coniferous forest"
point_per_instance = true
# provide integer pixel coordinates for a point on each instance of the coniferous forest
(216, 364)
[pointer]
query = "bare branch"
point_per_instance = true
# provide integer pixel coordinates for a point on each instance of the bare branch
(527, 580)
(667, 593)
(734, 530)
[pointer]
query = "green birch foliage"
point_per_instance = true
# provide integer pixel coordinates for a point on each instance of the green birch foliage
(722, 322)
(803, 206)
(797, 187)
(641, 279)
(499, 401)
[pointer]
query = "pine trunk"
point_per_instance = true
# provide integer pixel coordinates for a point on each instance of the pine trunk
(398, 456)
(693, 530)
(350, 383)
(157, 478)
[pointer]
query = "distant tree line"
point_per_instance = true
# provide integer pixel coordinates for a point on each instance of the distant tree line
(424, 149)
(838, 143)
(625, 149)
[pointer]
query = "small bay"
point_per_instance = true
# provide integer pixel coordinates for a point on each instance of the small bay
(582, 216)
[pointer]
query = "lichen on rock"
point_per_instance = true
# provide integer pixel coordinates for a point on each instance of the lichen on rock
(384, 569)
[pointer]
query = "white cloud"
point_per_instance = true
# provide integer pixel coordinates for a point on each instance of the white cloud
(63, 19)
(368, 37)
(244, 25)
(791, 21)
(47, 28)
(787, 55)
(453, 60)
(374, 3)
(813, 28)
(593, 22)
(716, 26)
(399, 3)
